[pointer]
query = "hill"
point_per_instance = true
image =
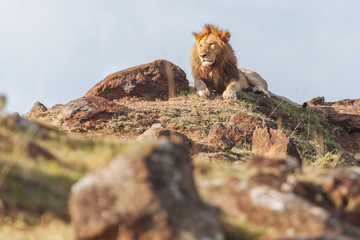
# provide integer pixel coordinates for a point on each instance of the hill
(44, 153)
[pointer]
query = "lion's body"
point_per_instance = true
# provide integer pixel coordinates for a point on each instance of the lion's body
(214, 66)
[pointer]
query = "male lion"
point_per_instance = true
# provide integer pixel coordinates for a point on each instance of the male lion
(214, 66)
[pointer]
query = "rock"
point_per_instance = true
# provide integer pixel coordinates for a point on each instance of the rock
(282, 164)
(157, 131)
(313, 192)
(345, 113)
(337, 190)
(146, 193)
(343, 189)
(350, 122)
(152, 133)
(272, 143)
(288, 215)
(316, 101)
(158, 79)
(224, 135)
(247, 124)
(79, 115)
(37, 110)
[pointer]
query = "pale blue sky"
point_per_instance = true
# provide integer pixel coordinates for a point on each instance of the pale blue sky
(55, 51)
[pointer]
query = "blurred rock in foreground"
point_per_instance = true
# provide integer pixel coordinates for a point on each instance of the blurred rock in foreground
(147, 193)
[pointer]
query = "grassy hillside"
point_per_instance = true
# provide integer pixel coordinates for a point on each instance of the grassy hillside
(39, 164)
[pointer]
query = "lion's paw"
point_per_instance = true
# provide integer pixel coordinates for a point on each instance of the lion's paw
(204, 93)
(229, 94)
(261, 90)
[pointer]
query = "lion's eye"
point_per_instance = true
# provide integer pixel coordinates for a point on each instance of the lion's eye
(200, 45)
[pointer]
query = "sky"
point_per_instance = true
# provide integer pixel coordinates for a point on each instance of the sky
(55, 51)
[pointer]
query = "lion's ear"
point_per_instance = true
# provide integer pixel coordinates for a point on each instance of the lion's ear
(196, 35)
(225, 36)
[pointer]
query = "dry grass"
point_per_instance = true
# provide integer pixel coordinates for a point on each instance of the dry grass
(37, 182)
(37, 169)
(188, 114)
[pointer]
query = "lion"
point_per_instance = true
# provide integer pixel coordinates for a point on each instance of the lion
(214, 66)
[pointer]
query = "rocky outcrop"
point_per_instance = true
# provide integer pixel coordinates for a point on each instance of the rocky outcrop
(147, 193)
(272, 143)
(239, 126)
(261, 133)
(273, 199)
(158, 79)
(344, 115)
(78, 115)
(224, 135)
(316, 101)
(350, 122)
(248, 123)
(339, 189)
(288, 215)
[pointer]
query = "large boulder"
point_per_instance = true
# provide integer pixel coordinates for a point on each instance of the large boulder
(158, 79)
(320, 205)
(288, 215)
(147, 193)
(273, 142)
(78, 115)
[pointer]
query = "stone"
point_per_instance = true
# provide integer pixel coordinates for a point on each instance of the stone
(146, 193)
(37, 109)
(224, 135)
(78, 115)
(344, 116)
(157, 131)
(345, 113)
(350, 122)
(271, 142)
(282, 164)
(343, 189)
(336, 190)
(158, 79)
(247, 124)
(316, 101)
(273, 205)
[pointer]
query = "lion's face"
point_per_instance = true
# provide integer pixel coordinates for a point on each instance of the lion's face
(208, 49)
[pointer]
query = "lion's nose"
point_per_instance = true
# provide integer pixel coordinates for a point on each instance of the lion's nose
(203, 55)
